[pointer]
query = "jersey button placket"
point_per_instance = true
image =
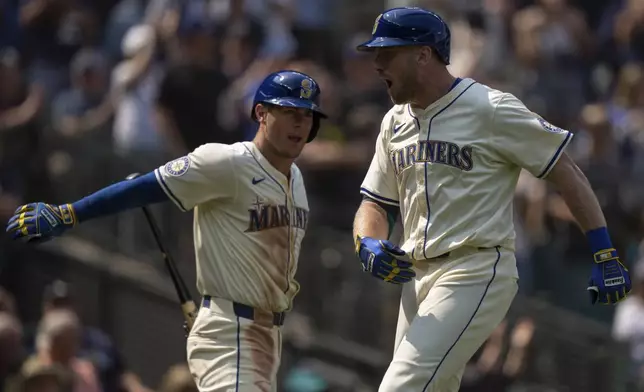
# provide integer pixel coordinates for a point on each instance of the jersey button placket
(422, 172)
(290, 207)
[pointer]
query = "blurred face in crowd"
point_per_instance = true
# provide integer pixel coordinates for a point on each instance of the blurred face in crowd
(10, 342)
(59, 335)
(285, 129)
(398, 68)
(64, 344)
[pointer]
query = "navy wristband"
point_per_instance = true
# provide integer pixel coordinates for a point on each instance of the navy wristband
(599, 239)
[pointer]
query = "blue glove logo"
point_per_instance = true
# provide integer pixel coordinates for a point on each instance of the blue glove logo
(609, 282)
(384, 260)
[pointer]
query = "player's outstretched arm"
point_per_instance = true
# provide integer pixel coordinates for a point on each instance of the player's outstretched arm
(610, 281)
(380, 257)
(40, 221)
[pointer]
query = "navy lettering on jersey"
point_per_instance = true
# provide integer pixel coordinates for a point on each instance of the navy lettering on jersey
(268, 216)
(433, 151)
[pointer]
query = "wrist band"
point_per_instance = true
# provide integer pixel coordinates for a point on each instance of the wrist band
(599, 239)
(68, 215)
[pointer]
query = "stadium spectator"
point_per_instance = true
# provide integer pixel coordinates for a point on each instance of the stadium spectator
(95, 345)
(552, 44)
(134, 86)
(188, 102)
(21, 105)
(57, 342)
(46, 378)
(81, 119)
(11, 350)
(53, 31)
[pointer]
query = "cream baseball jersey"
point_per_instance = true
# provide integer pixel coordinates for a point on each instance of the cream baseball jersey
(249, 221)
(452, 167)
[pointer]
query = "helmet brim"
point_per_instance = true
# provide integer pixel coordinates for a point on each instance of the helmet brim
(296, 103)
(384, 42)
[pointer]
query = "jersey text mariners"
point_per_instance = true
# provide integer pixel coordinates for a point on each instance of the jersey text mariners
(452, 167)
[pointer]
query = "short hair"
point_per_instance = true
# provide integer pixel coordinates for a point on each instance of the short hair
(29, 377)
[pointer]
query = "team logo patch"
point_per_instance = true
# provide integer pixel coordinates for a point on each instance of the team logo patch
(178, 167)
(549, 127)
(375, 24)
(306, 89)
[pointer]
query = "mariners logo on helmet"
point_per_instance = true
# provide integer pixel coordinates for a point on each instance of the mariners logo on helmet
(375, 24)
(306, 89)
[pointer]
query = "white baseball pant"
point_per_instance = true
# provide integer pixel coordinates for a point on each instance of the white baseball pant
(234, 348)
(446, 314)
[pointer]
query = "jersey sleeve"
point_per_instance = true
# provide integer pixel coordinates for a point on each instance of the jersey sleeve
(525, 138)
(206, 174)
(380, 182)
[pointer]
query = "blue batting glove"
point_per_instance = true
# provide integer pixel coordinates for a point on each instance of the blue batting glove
(384, 260)
(609, 281)
(40, 222)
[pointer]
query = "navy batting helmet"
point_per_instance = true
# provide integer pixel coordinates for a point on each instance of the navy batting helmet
(292, 89)
(407, 26)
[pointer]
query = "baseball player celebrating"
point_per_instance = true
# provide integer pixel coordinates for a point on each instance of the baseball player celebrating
(448, 158)
(250, 215)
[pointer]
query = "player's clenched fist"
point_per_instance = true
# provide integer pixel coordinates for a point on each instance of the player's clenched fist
(384, 260)
(40, 221)
(609, 280)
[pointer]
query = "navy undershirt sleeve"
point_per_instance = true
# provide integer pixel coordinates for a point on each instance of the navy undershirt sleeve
(120, 197)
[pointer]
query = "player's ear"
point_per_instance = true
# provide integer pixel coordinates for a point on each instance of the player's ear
(260, 112)
(424, 55)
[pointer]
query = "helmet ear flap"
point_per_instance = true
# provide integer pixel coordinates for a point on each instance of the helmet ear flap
(314, 128)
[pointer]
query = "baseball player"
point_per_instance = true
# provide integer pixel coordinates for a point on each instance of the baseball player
(250, 215)
(448, 158)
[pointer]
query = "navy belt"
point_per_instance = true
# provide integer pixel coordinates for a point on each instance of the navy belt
(247, 312)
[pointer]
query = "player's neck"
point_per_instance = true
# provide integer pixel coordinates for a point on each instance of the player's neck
(433, 88)
(283, 165)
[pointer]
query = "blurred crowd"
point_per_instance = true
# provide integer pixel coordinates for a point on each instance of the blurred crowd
(60, 354)
(91, 90)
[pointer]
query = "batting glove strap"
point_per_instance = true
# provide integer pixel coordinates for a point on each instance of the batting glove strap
(606, 255)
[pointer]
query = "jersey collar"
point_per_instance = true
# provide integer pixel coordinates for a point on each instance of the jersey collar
(443, 101)
(277, 175)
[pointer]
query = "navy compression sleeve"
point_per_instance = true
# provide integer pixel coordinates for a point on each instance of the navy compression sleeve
(119, 197)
